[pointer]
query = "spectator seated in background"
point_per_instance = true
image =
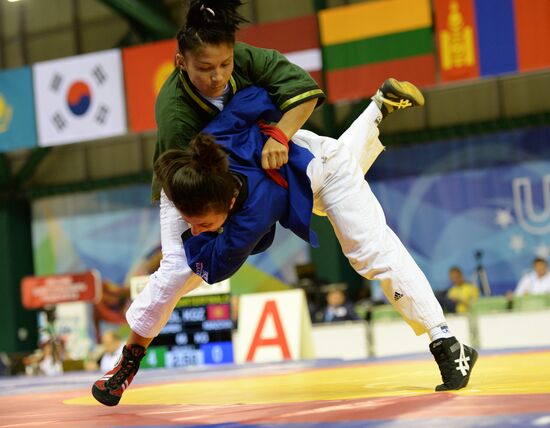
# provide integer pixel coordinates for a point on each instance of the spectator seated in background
(5, 364)
(308, 281)
(113, 349)
(536, 281)
(46, 360)
(107, 353)
(338, 308)
(365, 300)
(462, 294)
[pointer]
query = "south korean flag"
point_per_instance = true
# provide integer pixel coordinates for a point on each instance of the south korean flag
(79, 98)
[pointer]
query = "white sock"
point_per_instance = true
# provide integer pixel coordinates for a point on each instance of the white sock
(439, 332)
(376, 98)
(373, 113)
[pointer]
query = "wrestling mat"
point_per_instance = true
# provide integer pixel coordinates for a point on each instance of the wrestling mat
(507, 389)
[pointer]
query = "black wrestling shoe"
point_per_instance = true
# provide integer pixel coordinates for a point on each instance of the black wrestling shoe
(395, 95)
(455, 362)
(108, 390)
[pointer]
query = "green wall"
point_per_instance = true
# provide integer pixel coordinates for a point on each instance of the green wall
(15, 263)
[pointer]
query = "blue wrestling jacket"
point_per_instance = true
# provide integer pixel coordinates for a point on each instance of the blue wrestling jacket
(250, 226)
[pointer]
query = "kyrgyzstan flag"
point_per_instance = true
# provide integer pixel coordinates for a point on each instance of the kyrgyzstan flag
(297, 39)
(218, 311)
(146, 67)
(79, 98)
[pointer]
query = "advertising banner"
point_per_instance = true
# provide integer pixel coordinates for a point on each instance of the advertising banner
(40, 291)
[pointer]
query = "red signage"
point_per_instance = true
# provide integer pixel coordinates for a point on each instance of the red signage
(40, 291)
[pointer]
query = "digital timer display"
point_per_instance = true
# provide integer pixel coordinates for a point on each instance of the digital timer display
(198, 332)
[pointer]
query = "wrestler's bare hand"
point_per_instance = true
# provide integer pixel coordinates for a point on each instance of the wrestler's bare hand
(274, 154)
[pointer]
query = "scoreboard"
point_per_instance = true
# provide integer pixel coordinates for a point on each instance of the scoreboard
(198, 331)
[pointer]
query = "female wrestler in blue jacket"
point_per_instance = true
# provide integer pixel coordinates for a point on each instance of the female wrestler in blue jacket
(258, 200)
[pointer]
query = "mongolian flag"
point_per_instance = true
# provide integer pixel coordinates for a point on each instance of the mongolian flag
(532, 20)
(496, 37)
(457, 39)
(492, 37)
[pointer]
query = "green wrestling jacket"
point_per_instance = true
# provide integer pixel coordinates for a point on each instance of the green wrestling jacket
(181, 112)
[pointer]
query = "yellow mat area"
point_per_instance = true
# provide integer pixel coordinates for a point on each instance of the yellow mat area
(527, 373)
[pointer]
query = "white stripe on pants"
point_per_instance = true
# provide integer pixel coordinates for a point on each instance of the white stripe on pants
(341, 192)
(151, 309)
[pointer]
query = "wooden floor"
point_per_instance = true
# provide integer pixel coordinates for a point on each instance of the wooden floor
(508, 389)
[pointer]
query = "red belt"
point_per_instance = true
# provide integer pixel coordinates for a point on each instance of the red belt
(279, 136)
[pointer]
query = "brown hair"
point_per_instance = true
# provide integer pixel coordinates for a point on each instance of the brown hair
(197, 179)
(210, 22)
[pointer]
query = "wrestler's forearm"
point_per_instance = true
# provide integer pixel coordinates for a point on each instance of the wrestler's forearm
(295, 118)
(274, 154)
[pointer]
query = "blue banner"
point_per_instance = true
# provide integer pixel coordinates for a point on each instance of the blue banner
(17, 122)
(117, 232)
(457, 154)
(502, 212)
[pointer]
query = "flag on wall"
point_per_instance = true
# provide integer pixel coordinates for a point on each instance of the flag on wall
(365, 43)
(532, 19)
(297, 39)
(17, 127)
(218, 312)
(496, 36)
(79, 98)
(492, 37)
(146, 67)
(456, 38)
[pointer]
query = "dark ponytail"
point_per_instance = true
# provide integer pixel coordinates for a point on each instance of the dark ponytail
(210, 22)
(197, 179)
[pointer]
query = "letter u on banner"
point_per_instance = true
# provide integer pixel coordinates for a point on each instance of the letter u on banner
(531, 220)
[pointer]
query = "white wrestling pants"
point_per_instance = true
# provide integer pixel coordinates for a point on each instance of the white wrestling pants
(373, 249)
(341, 192)
(150, 311)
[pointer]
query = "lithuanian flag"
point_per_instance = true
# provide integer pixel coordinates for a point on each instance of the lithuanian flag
(365, 43)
